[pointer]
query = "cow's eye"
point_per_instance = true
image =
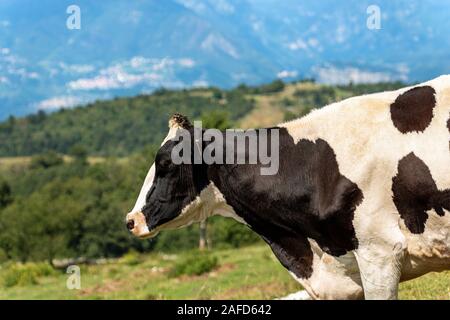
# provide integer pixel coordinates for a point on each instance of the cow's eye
(165, 163)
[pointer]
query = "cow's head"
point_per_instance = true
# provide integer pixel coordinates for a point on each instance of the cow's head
(171, 195)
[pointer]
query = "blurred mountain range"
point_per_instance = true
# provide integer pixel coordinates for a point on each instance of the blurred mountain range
(130, 47)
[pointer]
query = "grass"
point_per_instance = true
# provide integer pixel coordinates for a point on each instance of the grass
(195, 264)
(247, 273)
(24, 274)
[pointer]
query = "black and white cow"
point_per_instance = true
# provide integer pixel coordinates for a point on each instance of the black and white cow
(360, 201)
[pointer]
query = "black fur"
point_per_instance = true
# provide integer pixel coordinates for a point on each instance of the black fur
(415, 193)
(308, 198)
(413, 110)
(174, 187)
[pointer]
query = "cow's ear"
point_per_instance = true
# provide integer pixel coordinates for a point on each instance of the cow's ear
(179, 121)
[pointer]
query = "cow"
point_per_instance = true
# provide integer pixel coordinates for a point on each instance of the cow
(359, 203)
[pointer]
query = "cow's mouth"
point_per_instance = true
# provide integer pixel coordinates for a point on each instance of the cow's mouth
(151, 234)
(137, 225)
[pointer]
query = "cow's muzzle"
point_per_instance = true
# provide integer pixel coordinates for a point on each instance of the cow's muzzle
(137, 225)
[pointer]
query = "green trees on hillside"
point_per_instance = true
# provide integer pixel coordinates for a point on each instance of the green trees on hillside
(273, 87)
(117, 127)
(5, 194)
(46, 160)
(72, 210)
(75, 210)
(218, 119)
(311, 96)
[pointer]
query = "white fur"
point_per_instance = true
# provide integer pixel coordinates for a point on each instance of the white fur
(148, 182)
(209, 202)
(368, 148)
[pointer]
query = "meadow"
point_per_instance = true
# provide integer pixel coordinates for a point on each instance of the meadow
(247, 273)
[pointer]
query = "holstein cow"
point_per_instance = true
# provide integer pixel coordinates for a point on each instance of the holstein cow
(360, 200)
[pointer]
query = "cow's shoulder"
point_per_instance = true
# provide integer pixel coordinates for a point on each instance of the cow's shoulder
(307, 198)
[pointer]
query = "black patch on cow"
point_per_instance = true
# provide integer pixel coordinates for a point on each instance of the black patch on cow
(174, 186)
(413, 110)
(415, 192)
(448, 127)
(294, 253)
(307, 198)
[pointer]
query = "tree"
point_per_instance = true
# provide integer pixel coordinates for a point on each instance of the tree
(273, 87)
(46, 160)
(203, 242)
(220, 120)
(79, 153)
(217, 94)
(5, 194)
(217, 119)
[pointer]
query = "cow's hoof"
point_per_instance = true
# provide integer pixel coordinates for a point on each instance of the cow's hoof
(300, 295)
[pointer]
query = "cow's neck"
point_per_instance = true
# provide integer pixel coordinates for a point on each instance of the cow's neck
(307, 198)
(223, 195)
(214, 203)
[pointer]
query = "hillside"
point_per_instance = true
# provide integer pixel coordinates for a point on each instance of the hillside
(122, 126)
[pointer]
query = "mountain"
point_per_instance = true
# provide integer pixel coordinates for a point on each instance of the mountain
(126, 48)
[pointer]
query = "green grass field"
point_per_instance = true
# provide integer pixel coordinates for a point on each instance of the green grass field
(247, 273)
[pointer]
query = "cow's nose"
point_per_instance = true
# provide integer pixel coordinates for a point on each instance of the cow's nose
(130, 224)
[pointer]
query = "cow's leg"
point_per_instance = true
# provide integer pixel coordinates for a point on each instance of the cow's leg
(380, 267)
(333, 277)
